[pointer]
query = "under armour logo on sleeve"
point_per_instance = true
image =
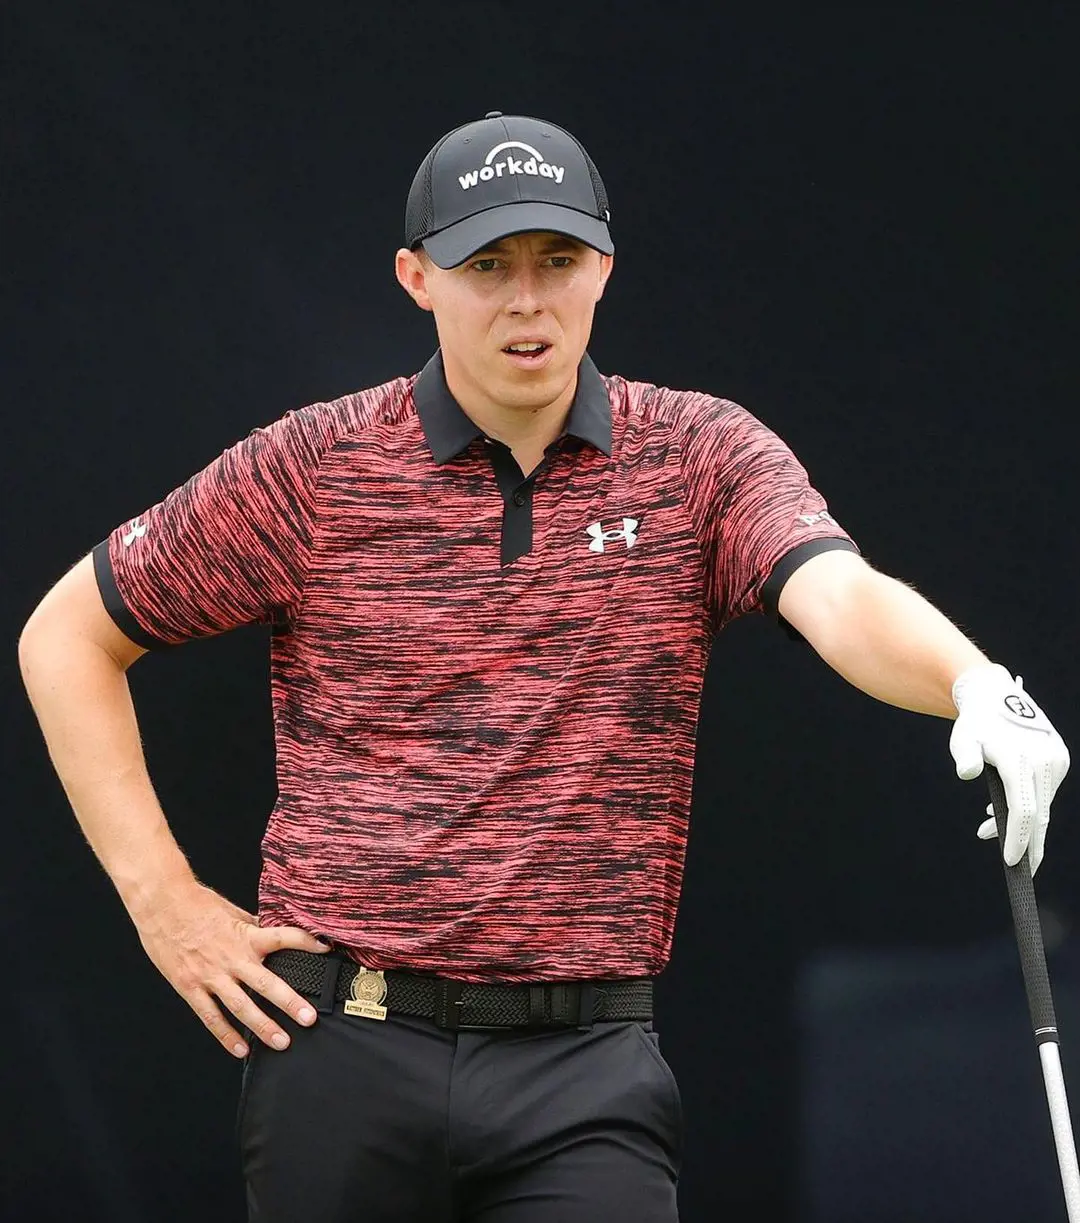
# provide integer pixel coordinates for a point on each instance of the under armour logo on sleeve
(600, 536)
(137, 529)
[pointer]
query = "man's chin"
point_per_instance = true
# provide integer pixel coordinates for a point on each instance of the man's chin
(534, 388)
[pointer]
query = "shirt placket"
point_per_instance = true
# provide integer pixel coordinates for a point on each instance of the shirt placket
(517, 490)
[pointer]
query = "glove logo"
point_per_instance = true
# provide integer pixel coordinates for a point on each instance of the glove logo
(1015, 705)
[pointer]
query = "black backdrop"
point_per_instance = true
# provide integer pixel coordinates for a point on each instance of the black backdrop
(858, 223)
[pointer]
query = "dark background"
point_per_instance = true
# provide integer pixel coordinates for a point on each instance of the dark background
(860, 223)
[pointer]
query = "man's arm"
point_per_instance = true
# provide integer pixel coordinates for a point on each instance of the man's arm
(879, 634)
(889, 641)
(74, 661)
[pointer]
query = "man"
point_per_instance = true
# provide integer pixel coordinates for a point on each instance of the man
(493, 587)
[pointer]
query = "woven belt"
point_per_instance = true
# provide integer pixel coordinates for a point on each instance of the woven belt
(458, 1005)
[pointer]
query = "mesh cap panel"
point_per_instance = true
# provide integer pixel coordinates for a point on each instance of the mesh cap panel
(420, 208)
(602, 208)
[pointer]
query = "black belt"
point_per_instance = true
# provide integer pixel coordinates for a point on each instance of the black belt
(460, 1005)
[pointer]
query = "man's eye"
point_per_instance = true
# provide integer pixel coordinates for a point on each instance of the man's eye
(561, 261)
(485, 265)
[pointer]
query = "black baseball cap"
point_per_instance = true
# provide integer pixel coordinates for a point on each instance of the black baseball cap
(503, 175)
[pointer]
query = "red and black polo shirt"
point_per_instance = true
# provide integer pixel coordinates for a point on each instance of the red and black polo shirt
(485, 684)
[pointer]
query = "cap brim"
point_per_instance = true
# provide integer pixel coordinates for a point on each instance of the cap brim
(457, 242)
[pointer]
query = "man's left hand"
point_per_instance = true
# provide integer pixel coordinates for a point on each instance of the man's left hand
(1000, 724)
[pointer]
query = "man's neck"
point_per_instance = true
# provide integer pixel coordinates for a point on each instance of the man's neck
(527, 431)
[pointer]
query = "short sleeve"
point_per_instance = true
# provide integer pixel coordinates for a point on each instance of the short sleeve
(229, 547)
(755, 512)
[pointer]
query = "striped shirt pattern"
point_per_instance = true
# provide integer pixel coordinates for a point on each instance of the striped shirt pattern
(484, 769)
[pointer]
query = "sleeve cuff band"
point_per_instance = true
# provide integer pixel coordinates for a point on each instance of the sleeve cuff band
(790, 561)
(115, 605)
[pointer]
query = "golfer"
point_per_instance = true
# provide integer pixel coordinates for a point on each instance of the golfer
(493, 587)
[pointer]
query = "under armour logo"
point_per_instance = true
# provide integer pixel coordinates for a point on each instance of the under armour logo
(600, 536)
(137, 530)
(822, 516)
(1015, 705)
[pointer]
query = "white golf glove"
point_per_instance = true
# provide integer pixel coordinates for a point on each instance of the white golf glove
(1000, 724)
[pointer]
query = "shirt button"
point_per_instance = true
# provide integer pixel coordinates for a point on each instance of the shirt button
(519, 498)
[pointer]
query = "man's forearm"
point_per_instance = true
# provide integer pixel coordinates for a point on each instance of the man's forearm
(83, 705)
(880, 635)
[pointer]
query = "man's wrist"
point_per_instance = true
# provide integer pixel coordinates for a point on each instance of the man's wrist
(982, 677)
(150, 892)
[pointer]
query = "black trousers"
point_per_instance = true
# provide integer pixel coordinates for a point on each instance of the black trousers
(368, 1121)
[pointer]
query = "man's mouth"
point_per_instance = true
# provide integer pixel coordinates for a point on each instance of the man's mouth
(528, 353)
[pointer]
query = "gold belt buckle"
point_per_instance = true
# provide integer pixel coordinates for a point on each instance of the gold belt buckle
(368, 991)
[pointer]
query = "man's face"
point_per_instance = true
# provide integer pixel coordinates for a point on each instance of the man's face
(534, 287)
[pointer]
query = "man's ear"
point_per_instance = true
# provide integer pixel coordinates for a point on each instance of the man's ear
(607, 263)
(411, 267)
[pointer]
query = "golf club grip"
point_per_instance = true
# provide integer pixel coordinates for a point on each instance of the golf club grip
(1026, 920)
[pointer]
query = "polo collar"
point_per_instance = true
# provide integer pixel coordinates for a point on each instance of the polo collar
(448, 430)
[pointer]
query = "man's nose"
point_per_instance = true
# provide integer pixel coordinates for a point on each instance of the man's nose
(526, 295)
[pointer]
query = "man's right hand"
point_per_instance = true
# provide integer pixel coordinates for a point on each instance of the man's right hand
(207, 948)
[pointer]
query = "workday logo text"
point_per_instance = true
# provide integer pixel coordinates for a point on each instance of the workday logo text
(533, 164)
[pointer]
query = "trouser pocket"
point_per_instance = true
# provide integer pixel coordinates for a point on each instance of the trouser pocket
(651, 1040)
(245, 1084)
